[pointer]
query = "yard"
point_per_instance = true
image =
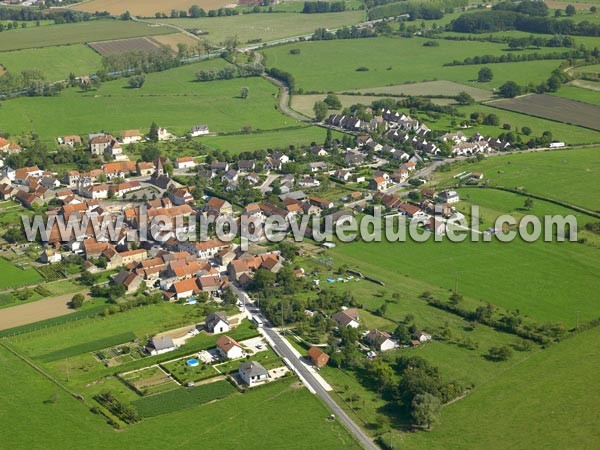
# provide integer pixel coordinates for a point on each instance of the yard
(13, 276)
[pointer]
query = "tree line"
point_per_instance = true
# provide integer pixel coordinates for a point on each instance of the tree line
(322, 34)
(511, 57)
(416, 10)
(230, 72)
(503, 20)
(323, 7)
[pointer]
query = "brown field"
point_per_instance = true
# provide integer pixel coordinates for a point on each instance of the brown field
(176, 38)
(147, 8)
(124, 45)
(554, 108)
(35, 311)
(440, 87)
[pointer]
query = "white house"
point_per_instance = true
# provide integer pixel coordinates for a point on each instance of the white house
(449, 196)
(94, 191)
(185, 162)
(252, 373)
(199, 130)
(216, 322)
(164, 135)
(158, 346)
(380, 340)
(130, 136)
(229, 348)
(421, 337)
(347, 318)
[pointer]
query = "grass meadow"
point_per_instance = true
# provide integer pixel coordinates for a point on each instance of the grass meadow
(549, 398)
(331, 65)
(580, 94)
(55, 62)
(567, 175)
(267, 27)
(13, 277)
(65, 422)
(172, 98)
(76, 33)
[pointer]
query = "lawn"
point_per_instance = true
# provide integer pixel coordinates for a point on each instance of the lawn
(331, 65)
(172, 98)
(56, 63)
(267, 27)
(76, 33)
(545, 401)
(146, 8)
(566, 175)
(13, 276)
(35, 406)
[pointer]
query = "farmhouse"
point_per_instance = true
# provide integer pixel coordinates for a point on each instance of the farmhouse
(252, 373)
(380, 340)
(347, 318)
(449, 196)
(199, 130)
(130, 136)
(318, 357)
(185, 162)
(71, 141)
(229, 348)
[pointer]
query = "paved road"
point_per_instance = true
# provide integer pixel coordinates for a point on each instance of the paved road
(283, 348)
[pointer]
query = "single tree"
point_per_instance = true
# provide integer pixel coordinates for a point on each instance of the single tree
(77, 301)
(485, 74)
(464, 98)
(425, 410)
(153, 134)
(244, 91)
(320, 110)
(570, 10)
(528, 203)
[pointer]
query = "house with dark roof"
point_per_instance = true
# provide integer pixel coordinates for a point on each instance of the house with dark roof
(160, 345)
(252, 373)
(216, 322)
(347, 318)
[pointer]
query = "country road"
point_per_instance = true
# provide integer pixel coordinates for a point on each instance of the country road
(285, 350)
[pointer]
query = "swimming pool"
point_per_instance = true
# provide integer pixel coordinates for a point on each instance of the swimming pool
(192, 362)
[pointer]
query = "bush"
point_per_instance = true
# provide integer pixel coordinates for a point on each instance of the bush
(362, 69)
(295, 51)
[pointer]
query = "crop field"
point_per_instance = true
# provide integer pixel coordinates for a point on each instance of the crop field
(147, 8)
(143, 44)
(13, 276)
(149, 381)
(182, 398)
(567, 175)
(266, 26)
(271, 139)
(506, 412)
(579, 5)
(77, 33)
(440, 87)
(176, 38)
(172, 98)
(56, 63)
(41, 404)
(554, 108)
(332, 65)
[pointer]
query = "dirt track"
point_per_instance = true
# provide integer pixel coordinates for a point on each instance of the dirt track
(35, 311)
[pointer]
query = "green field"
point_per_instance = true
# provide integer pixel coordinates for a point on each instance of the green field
(275, 139)
(13, 276)
(77, 33)
(55, 62)
(526, 407)
(87, 347)
(65, 422)
(267, 27)
(172, 98)
(499, 273)
(331, 65)
(583, 95)
(567, 175)
(183, 398)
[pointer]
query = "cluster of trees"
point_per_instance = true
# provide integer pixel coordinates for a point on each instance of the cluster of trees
(525, 42)
(195, 12)
(502, 20)
(138, 62)
(126, 413)
(322, 34)
(28, 82)
(323, 7)
(35, 15)
(136, 81)
(528, 7)
(283, 76)
(230, 72)
(415, 9)
(511, 89)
